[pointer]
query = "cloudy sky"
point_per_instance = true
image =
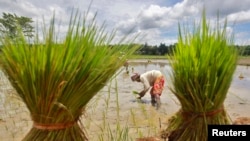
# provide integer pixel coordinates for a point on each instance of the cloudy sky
(157, 20)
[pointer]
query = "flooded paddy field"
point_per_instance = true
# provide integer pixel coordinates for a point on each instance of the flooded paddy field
(116, 110)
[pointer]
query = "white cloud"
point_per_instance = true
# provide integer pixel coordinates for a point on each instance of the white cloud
(160, 16)
(156, 18)
(126, 27)
(242, 38)
(238, 17)
(225, 7)
(185, 8)
(25, 8)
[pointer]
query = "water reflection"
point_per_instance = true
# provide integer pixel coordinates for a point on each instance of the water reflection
(126, 86)
(141, 66)
(237, 102)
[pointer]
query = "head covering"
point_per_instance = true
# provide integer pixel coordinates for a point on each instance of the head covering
(135, 76)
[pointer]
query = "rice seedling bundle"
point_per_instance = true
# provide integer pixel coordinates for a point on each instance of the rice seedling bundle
(203, 65)
(56, 80)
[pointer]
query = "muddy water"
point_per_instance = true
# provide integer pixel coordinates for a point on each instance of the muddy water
(140, 116)
(115, 108)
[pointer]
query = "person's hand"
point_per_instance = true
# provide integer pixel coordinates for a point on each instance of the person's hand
(142, 93)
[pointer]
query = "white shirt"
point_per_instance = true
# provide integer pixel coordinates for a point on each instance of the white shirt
(148, 78)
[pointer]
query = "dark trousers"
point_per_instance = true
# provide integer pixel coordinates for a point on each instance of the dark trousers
(156, 101)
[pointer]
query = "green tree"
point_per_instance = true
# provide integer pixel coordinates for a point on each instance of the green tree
(163, 49)
(10, 24)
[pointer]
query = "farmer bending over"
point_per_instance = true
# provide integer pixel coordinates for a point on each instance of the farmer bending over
(126, 66)
(154, 79)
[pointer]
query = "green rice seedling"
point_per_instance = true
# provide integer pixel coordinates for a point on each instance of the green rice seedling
(117, 101)
(132, 114)
(203, 65)
(117, 132)
(107, 100)
(120, 133)
(135, 92)
(140, 134)
(104, 119)
(56, 80)
(144, 110)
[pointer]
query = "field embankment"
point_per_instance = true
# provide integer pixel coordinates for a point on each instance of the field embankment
(242, 60)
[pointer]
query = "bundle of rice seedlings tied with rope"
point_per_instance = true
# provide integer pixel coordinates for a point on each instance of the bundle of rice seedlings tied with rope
(203, 65)
(56, 79)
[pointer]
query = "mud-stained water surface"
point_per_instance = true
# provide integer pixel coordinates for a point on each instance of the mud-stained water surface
(141, 116)
(115, 109)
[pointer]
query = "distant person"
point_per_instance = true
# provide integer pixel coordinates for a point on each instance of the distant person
(151, 79)
(126, 66)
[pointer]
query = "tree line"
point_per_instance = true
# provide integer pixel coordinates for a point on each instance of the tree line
(11, 24)
(162, 49)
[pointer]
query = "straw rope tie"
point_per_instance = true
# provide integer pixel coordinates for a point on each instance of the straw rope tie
(53, 126)
(201, 114)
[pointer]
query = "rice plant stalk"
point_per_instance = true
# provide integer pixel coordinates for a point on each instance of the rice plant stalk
(56, 80)
(203, 65)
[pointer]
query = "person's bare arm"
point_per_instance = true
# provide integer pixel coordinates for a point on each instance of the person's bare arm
(146, 87)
